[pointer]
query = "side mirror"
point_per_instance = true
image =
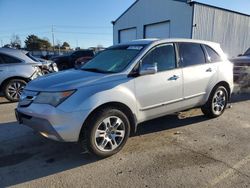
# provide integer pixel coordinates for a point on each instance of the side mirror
(146, 69)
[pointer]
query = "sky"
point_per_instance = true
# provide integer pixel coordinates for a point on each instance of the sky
(82, 23)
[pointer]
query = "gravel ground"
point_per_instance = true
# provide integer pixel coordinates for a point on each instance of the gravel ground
(185, 150)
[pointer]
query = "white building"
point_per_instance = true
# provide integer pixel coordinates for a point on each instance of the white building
(184, 19)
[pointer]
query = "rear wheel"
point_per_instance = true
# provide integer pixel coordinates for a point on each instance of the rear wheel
(107, 132)
(216, 103)
(13, 89)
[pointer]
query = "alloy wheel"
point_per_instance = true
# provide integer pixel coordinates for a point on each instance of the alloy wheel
(219, 101)
(109, 133)
(15, 89)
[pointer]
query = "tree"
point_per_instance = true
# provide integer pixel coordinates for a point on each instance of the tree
(65, 45)
(15, 41)
(33, 42)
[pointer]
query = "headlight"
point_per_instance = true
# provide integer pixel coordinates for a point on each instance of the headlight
(54, 65)
(53, 98)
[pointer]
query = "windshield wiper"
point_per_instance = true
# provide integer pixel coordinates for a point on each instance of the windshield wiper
(96, 70)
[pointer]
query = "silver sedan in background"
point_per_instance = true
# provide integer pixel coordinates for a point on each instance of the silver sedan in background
(17, 67)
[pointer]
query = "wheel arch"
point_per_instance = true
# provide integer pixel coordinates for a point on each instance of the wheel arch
(118, 105)
(226, 85)
(12, 78)
(221, 83)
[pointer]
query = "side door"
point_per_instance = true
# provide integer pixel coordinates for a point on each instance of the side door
(157, 94)
(16, 67)
(3, 69)
(198, 73)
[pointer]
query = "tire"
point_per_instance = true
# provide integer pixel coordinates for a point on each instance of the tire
(217, 103)
(107, 132)
(13, 89)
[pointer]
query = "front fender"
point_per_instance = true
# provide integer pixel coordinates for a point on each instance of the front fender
(90, 98)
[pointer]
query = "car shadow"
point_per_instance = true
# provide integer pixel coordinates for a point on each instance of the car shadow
(240, 97)
(166, 123)
(26, 157)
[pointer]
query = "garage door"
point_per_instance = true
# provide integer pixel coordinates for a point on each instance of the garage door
(157, 30)
(127, 35)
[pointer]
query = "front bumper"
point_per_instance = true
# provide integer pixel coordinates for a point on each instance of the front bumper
(40, 125)
(51, 122)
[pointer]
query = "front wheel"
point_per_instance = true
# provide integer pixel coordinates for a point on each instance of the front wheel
(216, 103)
(107, 132)
(13, 89)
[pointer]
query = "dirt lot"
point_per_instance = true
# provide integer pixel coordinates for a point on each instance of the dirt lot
(174, 151)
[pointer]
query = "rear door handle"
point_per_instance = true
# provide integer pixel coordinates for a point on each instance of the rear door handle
(174, 78)
(209, 70)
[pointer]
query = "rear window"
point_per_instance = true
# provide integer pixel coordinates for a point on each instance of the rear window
(212, 55)
(191, 54)
(9, 59)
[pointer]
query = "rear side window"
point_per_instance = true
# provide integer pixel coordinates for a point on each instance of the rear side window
(1, 60)
(213, 56)
(164, 56)
(84, 54)
(191, 54)
(9, 60)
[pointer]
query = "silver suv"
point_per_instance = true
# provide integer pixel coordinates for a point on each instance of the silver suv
(16, 69)
(102, 103)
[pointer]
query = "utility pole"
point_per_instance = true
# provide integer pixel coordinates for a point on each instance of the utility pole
(53, 39)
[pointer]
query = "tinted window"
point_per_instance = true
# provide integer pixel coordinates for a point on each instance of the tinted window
(164, 56)
(191, 54)
(1, 59)
(212, 55)
(8, 59)
(83, 54)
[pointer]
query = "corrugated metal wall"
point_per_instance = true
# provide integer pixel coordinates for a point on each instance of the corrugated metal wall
(230, 29)
(145, 12)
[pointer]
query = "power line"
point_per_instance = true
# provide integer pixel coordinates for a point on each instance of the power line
(21, 35)
(85, 27)
(23, 29)
(84, 33)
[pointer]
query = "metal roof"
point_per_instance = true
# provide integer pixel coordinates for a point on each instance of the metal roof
(184, 1)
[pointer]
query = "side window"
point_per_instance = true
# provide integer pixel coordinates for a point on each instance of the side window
(164, 56)
(77, 54)
(1, 60)
(191, 54)
(9, 60)
(212, 55)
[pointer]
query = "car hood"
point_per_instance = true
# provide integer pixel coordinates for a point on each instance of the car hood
(71, 79)
(241, 59)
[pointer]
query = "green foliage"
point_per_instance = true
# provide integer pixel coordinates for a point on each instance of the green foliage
(33, 42)
(65, 45)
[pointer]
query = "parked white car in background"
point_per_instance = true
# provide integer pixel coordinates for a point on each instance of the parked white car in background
(100, 104)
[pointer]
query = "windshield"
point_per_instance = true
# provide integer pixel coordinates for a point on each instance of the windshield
(32, 57)
(113, 60)
(247, 52)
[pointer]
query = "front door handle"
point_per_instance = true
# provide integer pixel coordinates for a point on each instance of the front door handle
(209, 70)
(174, 78)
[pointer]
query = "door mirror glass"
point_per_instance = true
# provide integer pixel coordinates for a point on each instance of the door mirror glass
(146, 69)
